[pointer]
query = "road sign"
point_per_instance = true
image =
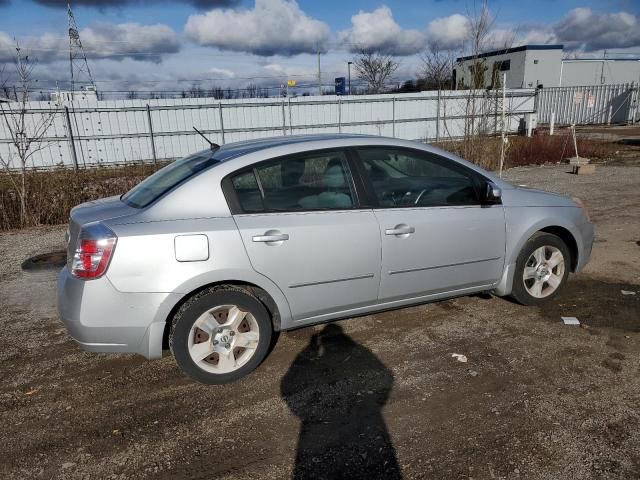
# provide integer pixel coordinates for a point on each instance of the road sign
(340, 85)
(291, 83)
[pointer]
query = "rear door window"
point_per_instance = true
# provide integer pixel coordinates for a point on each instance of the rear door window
(315, 181)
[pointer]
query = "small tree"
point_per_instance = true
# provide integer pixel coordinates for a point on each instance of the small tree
(374, 68)
(25, 132)
(437, 67)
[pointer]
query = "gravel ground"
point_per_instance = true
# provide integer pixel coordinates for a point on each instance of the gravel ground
(535, 400)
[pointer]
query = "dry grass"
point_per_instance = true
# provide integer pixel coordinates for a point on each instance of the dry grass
(52, 194)
(541, 149)
(537, 150)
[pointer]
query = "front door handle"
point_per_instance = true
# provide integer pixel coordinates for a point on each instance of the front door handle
(400, 230)
(271, 237)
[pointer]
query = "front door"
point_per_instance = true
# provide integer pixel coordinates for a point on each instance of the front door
(303, 229)
(436, 236)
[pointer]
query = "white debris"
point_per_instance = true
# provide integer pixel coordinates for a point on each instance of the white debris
(627, 292)
(570, 320)
(459, 357)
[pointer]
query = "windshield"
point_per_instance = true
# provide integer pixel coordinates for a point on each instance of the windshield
(167, 178)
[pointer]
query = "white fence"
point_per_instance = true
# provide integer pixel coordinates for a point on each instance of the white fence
(86, 133)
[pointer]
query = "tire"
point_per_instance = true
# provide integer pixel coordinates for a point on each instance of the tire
(233, 328)
(535, 290)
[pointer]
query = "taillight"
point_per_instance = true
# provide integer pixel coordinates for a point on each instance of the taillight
(93, 251)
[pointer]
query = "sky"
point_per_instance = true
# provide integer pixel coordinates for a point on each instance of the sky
(154, 45)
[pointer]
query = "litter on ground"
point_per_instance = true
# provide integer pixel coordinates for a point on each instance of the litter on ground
(459, 357)
(570, 320)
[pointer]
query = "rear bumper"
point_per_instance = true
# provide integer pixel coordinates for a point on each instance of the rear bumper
(102, 319)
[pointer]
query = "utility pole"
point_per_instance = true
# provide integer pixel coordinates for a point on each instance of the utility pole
(349, 75)
(319, 74)
(503, 136)
(78, 65)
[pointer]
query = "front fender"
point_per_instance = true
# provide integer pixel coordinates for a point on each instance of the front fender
(524, 222)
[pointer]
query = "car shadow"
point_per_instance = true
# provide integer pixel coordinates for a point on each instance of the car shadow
(337, 388)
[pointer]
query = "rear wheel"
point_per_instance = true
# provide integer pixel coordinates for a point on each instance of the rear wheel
(220, 335)
(542, 269)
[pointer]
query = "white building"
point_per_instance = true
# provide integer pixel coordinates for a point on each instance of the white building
(540, 65)
(88, 93)
(526, 66)
(603, 71)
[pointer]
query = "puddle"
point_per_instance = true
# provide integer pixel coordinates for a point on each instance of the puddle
(597, 304)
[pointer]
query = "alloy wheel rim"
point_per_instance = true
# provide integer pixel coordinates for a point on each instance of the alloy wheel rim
(223, 339)
(543, 271)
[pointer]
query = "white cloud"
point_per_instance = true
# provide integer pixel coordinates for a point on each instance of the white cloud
(272, 27)
(130, 40)
(289, 71)
(378, 31)
(103, 40)
(449, 33)
(582, 29)
(121, 3)
(222, 72)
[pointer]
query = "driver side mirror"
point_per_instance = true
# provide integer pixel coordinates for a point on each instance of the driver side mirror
(492, 193)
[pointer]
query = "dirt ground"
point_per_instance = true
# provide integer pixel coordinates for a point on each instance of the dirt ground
(382, 393)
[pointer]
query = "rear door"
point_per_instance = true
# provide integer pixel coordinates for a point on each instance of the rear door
(302, 227)
(436, 235)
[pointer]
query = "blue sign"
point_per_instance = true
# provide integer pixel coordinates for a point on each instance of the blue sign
(340, 85)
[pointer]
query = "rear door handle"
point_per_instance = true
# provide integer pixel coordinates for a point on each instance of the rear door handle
(401, 229)
(267, 237)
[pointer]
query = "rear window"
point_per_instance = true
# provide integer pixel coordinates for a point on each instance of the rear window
(169, 177)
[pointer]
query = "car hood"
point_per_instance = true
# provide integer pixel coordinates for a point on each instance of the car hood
(531, 197)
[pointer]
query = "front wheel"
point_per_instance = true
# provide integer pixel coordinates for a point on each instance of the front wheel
(542, 269)
(220, 335)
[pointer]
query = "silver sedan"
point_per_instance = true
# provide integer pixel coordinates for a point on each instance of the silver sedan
(215, 254)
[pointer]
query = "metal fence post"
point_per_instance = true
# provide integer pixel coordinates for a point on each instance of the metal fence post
(636, 103)
(284, 120)
(74, 155)
(393, 117)
(153, 143)
(290, 121)
(438, 118)
(339, 114)
(221, 121)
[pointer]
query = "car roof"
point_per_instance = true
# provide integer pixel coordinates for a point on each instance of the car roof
(238, 149)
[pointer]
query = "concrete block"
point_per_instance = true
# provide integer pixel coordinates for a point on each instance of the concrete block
(584, 169)
(578, 160)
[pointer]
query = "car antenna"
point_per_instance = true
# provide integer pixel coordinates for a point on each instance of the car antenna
(214, 146)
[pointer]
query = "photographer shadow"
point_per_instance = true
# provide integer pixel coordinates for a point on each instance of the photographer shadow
(337, 388)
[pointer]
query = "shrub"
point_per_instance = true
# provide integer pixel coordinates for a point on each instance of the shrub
(535, 150)
(51, 194)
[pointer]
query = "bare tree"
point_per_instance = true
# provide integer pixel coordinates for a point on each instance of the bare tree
(252, 90)
(437, 67)
(375, 68)
(25, 132)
